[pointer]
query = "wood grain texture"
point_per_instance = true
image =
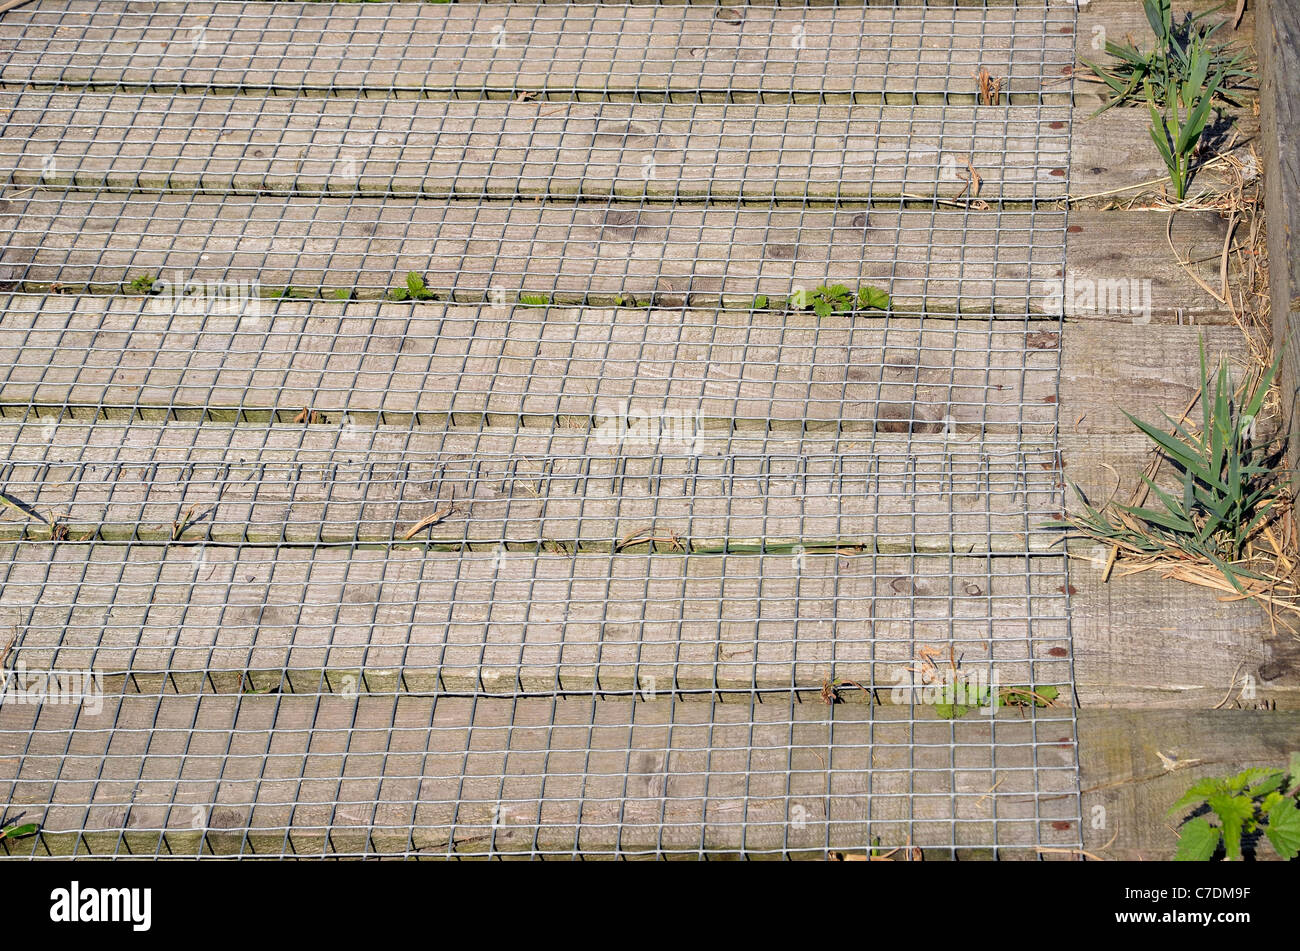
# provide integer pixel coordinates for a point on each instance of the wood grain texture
(1124, 776)
(511, 366)
(1119, 261)
(1141, 642)
(1112, 157)
(432, 148)
(605, 51)
(299, 145)
(340, 774)
(198, 617)
(1110, 370)
(1278, 38)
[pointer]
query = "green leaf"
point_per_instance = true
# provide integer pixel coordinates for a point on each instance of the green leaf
(1195, 125)
(821, 308)
(1197, 841)
(1266, 784)
(873, 298)
(1173, 523)
(1110, 79)
(1248, 777)
(1200, 792)
(1158, 15)
(1284, 828)
(1159, 139)
(1262, 385)
(19, 832)
(760, 301)
(1179, 452)
(1130, 54)
(1233, 811)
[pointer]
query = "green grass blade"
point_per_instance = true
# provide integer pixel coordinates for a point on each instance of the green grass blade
(1175, 449)
(1159, 518)
(1196, 119)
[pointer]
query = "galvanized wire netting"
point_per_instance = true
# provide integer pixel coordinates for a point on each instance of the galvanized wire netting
(573, 556)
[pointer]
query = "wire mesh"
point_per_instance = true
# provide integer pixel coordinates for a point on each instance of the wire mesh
(605, 548)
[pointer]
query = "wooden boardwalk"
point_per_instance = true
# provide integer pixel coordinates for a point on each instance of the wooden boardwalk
(374, 577)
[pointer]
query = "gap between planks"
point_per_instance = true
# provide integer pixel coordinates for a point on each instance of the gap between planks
(944, 261)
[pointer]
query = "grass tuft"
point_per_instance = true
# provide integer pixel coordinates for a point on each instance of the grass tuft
(1181, 46)
(1210, 526)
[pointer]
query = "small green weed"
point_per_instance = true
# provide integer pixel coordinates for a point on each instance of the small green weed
(415, 289)
(1229, 488)
(1254, 801)
(1177, 126)
(9, 831)
(837, 299)
(956, 699)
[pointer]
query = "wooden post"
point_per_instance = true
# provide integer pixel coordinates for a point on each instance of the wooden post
(1277, 37)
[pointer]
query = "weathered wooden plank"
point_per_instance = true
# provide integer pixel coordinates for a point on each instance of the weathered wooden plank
(1144, 642)
(295, 145)
(198, 619)
(512, 364)
(1120, 267)
(608, 496)
(980, 262)
(1129, 785)
(283, 145)
(603, 51)
(1110, 370)
(363, 363)
(431, 148)
(1140, 641)
(340, 774)
(1278, 38)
